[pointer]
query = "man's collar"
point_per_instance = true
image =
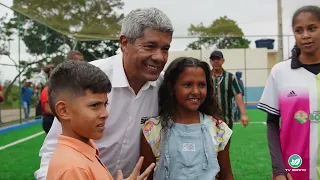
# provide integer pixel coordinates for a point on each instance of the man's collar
(119, 76)
(88, 150)
(222, 73)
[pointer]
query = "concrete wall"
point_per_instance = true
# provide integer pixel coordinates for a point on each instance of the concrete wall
(255, 65)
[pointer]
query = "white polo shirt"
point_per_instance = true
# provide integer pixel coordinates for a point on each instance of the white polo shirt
(119, 149)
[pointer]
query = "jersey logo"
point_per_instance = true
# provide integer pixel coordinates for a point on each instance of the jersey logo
(292, 94)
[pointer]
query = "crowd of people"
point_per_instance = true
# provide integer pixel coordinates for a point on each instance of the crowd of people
(37, 92)
(124, 117)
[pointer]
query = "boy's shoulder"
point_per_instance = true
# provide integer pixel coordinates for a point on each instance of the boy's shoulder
(66, 159)
(67, 156)
(73, 159)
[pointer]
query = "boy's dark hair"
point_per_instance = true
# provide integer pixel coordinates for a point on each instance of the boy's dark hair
(76, 77)
(167, 102)
(315, 11)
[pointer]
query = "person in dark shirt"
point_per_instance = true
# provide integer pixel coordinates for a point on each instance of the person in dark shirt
(47, 115)
(226, 88)
(237, 113)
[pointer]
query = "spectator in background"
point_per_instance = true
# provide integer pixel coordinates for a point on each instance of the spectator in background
(75, 55)
(39, 89)
(237, 114)
(227, 88)
(1, 96)
(1, 100)
(26, 98)
(48, 69)
(47, 115)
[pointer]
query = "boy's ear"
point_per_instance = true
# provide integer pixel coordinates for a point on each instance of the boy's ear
(62, 110)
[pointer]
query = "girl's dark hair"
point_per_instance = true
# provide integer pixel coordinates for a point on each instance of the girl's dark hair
(167, 101)
(314, 10)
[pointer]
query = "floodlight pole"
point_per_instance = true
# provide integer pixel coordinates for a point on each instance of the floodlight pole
(20, 90)
(46, 43)
(280, 32)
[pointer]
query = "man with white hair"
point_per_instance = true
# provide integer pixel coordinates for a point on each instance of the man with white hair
(145, 40)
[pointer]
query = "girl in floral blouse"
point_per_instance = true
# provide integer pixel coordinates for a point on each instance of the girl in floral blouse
(186, 141)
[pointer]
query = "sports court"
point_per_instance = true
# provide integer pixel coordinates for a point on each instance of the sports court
(249, 150)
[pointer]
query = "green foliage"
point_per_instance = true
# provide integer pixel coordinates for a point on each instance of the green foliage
(50, 30)
(5, 36)
(223, 33)
(81, 19)
(12, 101)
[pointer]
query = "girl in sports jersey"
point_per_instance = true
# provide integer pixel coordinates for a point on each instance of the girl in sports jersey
(193, 142)
(292, 92)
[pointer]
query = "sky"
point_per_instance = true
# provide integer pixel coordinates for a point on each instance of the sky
(257, 19)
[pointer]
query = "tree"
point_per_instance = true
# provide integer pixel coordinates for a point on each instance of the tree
(222, 33)
(6, 83)
(5, 36)
(55, 25)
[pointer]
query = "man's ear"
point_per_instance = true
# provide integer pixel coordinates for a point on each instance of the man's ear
(124, 42)
(62, 110)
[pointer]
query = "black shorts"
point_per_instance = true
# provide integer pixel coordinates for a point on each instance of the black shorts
(38, 109)
(230, 125)
(47, 121)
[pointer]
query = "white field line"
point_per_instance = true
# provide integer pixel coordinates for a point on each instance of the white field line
(21, 140)
(252, 123)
